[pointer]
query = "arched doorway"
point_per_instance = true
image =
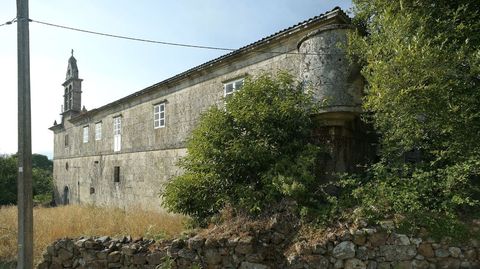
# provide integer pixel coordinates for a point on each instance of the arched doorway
(65, 196)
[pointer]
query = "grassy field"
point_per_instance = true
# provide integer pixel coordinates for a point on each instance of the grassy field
(75, 221)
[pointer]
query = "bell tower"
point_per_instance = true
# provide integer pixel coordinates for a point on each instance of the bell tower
(72, 98)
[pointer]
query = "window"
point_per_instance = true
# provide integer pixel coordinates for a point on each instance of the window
(116, 174)
(98, 131)
(159, 115)
(66, 140)
(85, 134)
(232, 86)
(117, 133)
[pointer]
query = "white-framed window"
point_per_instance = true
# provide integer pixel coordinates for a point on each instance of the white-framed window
(85, 134)
(232, 86)
(98, 131)
(117, 133)
(159, 115)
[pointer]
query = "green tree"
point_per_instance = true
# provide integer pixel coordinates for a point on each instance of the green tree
(8, 180)
(42, 179)
(42, 162)
(249, 154)
(422, 63)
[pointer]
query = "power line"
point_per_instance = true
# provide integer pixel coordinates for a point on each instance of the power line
(164, 42)
(9, 22)
(132, 38)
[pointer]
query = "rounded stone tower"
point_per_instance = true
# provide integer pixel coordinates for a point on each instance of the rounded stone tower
(337, 85)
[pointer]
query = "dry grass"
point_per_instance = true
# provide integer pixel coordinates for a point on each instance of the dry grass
(75, 221)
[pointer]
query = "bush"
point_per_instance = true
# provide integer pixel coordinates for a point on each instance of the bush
(251, 153)
(42, 179)
(421, 62)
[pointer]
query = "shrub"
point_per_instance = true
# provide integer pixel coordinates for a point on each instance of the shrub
(249, 154)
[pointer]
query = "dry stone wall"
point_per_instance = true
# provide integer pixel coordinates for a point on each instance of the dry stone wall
(272, 248)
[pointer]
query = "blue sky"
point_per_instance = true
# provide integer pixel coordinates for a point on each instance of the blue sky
(113, 68)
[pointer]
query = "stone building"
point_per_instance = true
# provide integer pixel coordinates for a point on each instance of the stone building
(122, 153)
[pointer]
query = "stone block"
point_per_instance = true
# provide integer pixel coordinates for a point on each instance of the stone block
(344, 250)
(397, 253)
(354, 264)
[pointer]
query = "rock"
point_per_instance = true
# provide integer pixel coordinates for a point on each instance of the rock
(102, 255)
(114, 265)
(338, 264)
(420, 264)
(318, 249)
(416, 241)
(187, 254)
(177, 244)
(471, 254)
(277, 238)
(397, 253)
(114, 257)
(344, 250)
(103, 239)
(316, 261)
(255, 257)
(369, 231)
(442, 253)
(465, 265)
(211, 242)
(130, 250)
(42, 265)
(403, 265)
(139, 258)
(249, 265)
(354, 264)
(448, 263)
(155, 258)
(244, 245)
(384, 265)
(400, 239)
(377, 239)
(359, 239)
(64, 254)
(81, 243)
(196, 242)
(212, 257)
(90, 244)
(426, 250)
(362, 253)
(387, 225)
(455, 251)
(372, 265)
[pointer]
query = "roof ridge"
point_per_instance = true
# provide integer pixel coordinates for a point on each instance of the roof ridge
(321, 16)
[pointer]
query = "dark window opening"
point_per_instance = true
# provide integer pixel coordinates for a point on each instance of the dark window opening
(66, 166)
(116, 174)
(96, 162)
(65, 196)
(66, 140)
(92, 190)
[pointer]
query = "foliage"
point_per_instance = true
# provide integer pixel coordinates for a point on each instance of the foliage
(42, 179)
(249, 154)
(422, 63)
(8, 180)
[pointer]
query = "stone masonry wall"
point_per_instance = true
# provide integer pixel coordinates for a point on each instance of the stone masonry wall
(270, 248)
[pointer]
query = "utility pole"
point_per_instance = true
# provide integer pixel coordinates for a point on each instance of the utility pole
(25, 193)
